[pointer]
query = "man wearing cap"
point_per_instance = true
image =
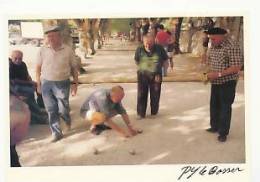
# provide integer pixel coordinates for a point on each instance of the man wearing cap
(55, 64)
(101, 106)
(225, 61)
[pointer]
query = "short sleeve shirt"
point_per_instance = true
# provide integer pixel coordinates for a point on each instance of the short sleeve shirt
(100, 101)
(227, 54)
(150, 62)
(162, 38)
(56, 65)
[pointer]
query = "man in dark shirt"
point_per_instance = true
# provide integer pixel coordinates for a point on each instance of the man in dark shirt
(149, 59)
(22, 85)
(20, 79)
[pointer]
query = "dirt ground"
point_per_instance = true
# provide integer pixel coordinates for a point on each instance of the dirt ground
(176, 136)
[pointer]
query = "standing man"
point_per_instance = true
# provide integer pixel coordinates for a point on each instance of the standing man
(149, 59)
(225, 61)
(55, 64)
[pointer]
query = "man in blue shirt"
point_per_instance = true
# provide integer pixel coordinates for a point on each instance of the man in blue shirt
(101, 106)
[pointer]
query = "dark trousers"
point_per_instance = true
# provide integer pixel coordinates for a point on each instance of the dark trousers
(146, 83)
(221, 100)
(14, 157)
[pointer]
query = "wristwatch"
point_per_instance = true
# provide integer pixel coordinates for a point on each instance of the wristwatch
(219, 74)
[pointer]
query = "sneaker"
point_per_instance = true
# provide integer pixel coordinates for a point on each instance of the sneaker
(211, 130)
(95, 131)
(139, 117)
(94, 52)
(222, 138)
(56, 138)
(103, 127)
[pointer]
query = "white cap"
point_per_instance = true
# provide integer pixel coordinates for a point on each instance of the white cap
(54, 28)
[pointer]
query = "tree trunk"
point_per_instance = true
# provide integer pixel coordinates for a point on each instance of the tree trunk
(83, 29)
(177, 35)
(138, 37)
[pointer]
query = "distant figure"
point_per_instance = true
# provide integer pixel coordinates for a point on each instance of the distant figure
(145, 26)
(225, 61)
(101, 106)
(19, 124)
(163, 38)
(55, 64)
(205, 41)
(170, 48)
(149, 59)
(153, 28)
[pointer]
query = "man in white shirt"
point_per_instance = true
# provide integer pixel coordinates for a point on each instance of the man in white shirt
(55, 64)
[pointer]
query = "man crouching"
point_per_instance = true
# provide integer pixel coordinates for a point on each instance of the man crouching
(101, 106)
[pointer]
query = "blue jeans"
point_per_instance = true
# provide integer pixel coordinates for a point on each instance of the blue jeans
(56, 100)
(25, 90)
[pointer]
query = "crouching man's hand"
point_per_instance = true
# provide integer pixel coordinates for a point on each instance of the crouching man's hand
(133, 131)
(115, 127)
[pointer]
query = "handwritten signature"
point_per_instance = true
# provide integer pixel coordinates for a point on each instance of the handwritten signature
(188, 171)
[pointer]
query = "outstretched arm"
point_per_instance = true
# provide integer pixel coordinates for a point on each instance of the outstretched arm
(129, 125)
(117, 128)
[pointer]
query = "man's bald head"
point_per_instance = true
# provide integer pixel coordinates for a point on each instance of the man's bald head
(117, 94)
(17, 56)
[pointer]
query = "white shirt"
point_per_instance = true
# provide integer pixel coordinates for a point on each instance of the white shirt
(56, 65)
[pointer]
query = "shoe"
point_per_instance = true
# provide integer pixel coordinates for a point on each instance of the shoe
(67, 127)
(56, 138)
(222, 138)
(211, 130)
(103, 127)
(96, 131)
(152, 116)
(82, 71)
(139, 117)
